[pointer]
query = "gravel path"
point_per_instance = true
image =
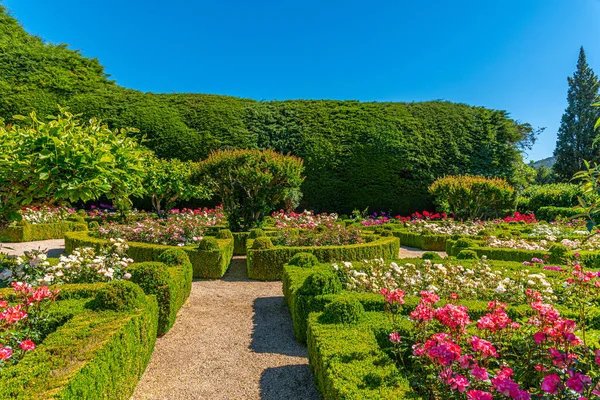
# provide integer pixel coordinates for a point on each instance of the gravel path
(55, 247)
(232, 340)
(411, 252)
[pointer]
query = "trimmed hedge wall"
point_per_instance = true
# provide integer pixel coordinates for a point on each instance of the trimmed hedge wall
(26, 232)
(421, 241)
(267, 264)
(551, 213)
(96, 354)
(205, 263)
(239, 243)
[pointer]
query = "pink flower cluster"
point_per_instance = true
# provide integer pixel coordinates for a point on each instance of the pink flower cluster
(518, 217)
(303, 220)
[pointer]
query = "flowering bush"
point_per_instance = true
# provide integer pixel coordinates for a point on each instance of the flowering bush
(204, 216)
(588, 243)
(544, 355)
(518, 217)
(173, 231)
(303, 220)
(20, 320)
(84, 265)
(479, 281)
(447, 227)
(326, 234)
(45, 214)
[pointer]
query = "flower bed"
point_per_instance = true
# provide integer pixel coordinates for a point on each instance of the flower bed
(46, 214)
(210, 263)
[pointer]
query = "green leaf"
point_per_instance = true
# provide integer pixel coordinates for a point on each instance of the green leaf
(14, 216)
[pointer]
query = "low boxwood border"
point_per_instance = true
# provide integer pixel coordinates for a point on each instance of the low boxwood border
(267, 264)
(26, 232)
(96, 354)
(422, 241)
(205, 263)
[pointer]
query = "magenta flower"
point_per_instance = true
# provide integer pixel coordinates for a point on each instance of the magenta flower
(478, 395)
(551, 384)
(395, 338)
(5, 353)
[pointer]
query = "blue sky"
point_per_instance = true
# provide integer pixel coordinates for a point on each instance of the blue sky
(513, 55)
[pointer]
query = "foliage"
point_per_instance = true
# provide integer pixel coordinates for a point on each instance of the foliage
(169, 180)
(343, 310)
(473, 197)
(63, 161)
(576, 133)
(304, 260)
(45, 214)
(328, 234)
(262, 243)
(544, 176)
(119, 296)
(250, 183)
(556, 194)
(170, 231)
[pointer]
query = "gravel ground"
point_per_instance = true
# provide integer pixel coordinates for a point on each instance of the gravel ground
(55, 247)
(411, 252)
(232, 340)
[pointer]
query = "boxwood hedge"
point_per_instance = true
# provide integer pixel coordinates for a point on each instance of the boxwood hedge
(26, 232)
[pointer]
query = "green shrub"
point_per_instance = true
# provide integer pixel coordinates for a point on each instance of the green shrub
(564, 195)
(343, 310)
(505, 235)
(224, 234)
(26, 232)
(208, 243)
(119, 296)
(174, 257)
(250, 183)
(552, 213)
(430, 255)
(464, 243)
(467, 255)
(93, 225)
(472, 197)
(304, 260)
(558, 253)
(262, 243)
(256, 233)
(386, 233)
(321, 282)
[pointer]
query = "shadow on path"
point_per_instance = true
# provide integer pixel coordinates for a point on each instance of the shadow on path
(237, 271)
(273, 331)
(289, 382)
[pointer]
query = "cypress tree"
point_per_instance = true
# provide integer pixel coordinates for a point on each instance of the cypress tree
(576, 133)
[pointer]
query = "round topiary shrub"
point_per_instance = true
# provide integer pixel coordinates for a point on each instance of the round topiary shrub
(262, 243)
(174, 257)
(118, 296)
(224, 234)
(462, 242)
(467, 255)
(256, 233)
(558, 252)
(321, 282)
(93, 225)
(431, 255)
(343, 310)
(208, 243)
(304, 260)
(150, 276)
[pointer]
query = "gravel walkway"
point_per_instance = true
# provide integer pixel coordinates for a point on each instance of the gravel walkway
(55, 247)
(232, 340)
(411, 252)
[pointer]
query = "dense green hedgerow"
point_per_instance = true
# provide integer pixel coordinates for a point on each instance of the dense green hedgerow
(430, 255)
(346, 310)
(26, 232)
(467, 255)
(119, 296)
(304, 260)
(556, 195)
(356, 154)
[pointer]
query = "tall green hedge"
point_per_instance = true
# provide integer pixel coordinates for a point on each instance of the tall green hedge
(382, 155)
(26, 232)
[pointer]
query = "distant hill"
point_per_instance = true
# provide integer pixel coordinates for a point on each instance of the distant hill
(546, 162)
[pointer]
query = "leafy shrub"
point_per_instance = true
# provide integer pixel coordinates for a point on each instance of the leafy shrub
(343, 310)
(250, 183)
(174, 257)
(321, 282)
(304, 260)
(119, 296)
(262, 243)
(473, 197)
(224, 234)
(208, 243)
(552, 213)
(256, 233)
(467, 255)
(556, 195)
(93, 225)
(464, 243)
(558, 252)
(430, 255)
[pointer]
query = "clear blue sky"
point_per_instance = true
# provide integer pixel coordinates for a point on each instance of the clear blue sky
(513, 55)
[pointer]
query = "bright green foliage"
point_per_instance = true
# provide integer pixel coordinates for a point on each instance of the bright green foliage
(119, 296)
(556, 195)
(256, 233)
(63, 160)
(473, 197)
(26, 232)
(304, 260)
(467, 255)
(224, 234)
(346, 310)
(558, 253)
(430, 255)
(544, 176)
(321, 282)
(262, 243)
(169, 180)
(552, 213)
(208, 243)
(250, 183)
(576, 133)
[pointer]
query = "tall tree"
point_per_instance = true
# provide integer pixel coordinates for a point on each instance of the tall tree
(576, 133)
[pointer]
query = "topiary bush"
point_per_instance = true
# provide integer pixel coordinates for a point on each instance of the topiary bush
(262, 243)
(118, 296)
(430, 255)
(224, 234)
(345, 310)
(304, 260)
(467, 255)
(174, 257)
(93, 225)
(208, 243)
(321, 282)
(464, 243)
(256, 233)
(558, 252)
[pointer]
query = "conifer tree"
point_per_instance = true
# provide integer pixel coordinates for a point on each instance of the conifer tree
(576, 133)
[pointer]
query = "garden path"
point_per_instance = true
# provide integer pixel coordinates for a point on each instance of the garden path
(232, 340)
(412, 252)
(54, 247)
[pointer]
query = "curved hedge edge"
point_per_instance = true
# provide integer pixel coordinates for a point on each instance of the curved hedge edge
(360, 371)
(205, 264)
(267, 264)
(421, 241)
(94, 355)
(35, 232)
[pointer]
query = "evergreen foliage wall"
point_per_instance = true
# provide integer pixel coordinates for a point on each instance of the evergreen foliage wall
(381, 155)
